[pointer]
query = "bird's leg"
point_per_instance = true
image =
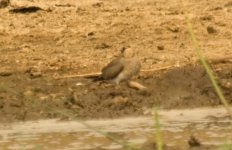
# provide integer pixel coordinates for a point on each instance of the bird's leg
(117, 81)
(119, 78)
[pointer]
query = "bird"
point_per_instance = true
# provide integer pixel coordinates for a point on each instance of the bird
(123, 68)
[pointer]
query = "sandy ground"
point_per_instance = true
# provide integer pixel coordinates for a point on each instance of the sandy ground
(72, 38)
(42, 40)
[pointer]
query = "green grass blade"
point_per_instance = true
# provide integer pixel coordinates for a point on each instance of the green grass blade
(206, 66)
(159, 142)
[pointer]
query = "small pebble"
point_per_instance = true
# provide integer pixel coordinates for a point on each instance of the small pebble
(211, 30)
(160, 47)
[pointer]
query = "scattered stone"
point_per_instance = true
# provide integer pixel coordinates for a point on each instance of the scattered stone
(90, 34)
(6, 73)
(225, 83)
(73, 100)
(15, 102)
(119, 100)
(80, 10)
(160, 47)
(4, 3)
(30, 9)
(127, 9)
(150, 144)
(28, 93)
(216, 8)
(145, 92)
(1, 103)
(24, 6)
(99, 4)
(64, 5)
(60, 42)
(228, 4)
(102, 46)
(173, 29)
(79, 84)
(34, 72)
(211, 30)
(193, 142)
(207, 18)
(44, 97)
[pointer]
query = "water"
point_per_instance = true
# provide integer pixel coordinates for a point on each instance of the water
(209, 125)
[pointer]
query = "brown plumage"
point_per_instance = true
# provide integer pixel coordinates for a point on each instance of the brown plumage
(122, 68)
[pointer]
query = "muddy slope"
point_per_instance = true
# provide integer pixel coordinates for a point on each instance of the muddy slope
(42, 97)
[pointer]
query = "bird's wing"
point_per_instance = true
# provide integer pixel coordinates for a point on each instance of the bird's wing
(113, 69)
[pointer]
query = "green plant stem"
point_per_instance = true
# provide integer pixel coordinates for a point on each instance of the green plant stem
(159, 143)
(207, 68)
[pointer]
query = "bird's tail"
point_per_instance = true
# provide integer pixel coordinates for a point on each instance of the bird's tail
(95, 78)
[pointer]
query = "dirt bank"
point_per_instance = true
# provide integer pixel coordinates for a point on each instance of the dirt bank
(71, 37)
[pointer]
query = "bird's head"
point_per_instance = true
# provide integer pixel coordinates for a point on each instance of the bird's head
(128, 52)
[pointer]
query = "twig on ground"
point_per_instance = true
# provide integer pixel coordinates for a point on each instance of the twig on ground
(97, 74)
(79, 75)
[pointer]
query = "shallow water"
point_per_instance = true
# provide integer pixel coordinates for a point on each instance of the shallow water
(209, 125)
